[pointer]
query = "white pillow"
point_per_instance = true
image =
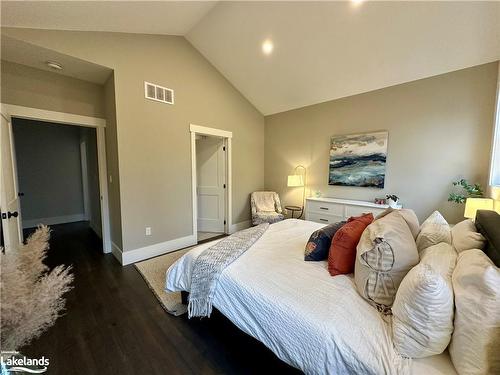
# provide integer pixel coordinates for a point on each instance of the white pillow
(423, 309)
(465, 236)
(475, 344)
(434, 229)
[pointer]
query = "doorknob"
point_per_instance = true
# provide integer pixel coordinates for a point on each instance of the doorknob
(12, 214)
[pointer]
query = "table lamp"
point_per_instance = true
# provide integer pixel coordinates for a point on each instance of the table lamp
(474, 204)
(495, 194)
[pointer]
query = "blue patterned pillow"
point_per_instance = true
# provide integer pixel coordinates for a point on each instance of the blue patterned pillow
(318, 246)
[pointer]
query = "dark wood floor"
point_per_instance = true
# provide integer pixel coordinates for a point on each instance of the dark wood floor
(114, 324)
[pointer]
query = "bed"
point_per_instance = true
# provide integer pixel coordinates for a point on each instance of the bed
(310, 320)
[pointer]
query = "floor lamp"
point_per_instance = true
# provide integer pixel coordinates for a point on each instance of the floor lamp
(299, 180)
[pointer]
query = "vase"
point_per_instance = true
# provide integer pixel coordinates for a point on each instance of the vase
(392, 203)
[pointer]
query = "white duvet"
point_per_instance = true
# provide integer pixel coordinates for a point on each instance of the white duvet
(309, 319)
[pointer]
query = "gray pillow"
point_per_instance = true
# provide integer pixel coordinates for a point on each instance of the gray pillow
(384, 255)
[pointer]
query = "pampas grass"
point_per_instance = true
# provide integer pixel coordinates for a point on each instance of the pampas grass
(31, 296)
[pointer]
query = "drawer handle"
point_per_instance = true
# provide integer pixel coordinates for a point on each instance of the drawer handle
(324, 208)
(324, 220)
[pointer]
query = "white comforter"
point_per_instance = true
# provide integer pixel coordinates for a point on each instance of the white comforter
(310, 320)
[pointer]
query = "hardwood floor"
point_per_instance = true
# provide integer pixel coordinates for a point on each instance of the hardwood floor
(114, 325)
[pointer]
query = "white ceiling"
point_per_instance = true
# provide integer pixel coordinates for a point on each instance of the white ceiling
(146, 17)
(329, 50)
(323, 50)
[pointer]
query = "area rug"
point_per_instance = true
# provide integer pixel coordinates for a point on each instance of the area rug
(153, 271)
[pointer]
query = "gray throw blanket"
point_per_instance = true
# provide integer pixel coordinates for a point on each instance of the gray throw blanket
(210, 264)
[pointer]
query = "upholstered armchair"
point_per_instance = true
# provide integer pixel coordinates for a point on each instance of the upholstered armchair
(266, 207)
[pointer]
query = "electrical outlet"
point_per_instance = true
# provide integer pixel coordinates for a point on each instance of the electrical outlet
(148, 231)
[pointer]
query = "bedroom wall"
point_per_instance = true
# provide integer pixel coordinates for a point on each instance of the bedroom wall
(440, 129)
(153, 138)
(30, 87)
(112, 163)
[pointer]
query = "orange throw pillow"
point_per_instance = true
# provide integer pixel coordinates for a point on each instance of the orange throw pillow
(342, 255)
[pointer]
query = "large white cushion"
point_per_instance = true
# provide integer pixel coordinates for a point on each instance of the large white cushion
(434, 229)
(475, 344)
(423, 309)
(465, 236)
(385, 253)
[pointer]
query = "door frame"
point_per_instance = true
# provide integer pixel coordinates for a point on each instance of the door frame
(227, 140)
(16, 111)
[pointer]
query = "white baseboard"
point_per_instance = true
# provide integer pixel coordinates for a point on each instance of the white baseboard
(240, 226)
(133, 256)
(53, 220)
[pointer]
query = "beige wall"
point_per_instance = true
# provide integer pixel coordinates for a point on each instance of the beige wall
(440, 130)
(153, 138)
(30, 87)
(113, 167)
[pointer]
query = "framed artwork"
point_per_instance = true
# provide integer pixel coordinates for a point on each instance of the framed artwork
(358, 159)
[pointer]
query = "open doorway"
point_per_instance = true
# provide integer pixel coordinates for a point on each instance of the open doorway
(210, 186)
(211, 172)
(58, 174)
(89, 129)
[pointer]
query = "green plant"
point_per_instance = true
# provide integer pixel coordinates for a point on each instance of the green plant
(470, 191)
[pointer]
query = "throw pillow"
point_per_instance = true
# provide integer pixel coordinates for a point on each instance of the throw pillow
(434, 229)
(385, 254)
(408, 215)
(343, 248)
(422, 320)
(464, 236)
(475, 342)
(318, 246)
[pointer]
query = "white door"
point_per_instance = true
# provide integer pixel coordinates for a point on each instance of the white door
(210, 177)
(9, 199)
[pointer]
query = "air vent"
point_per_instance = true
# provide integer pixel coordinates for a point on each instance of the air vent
(158, 93)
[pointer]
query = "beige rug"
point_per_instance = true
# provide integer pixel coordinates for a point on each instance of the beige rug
(153, 271)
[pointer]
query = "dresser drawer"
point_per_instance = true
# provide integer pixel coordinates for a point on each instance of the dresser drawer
(359, 210)
(324, 219)
(326, 208)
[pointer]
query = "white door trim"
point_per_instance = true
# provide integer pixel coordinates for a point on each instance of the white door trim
(10, 110)
(227, 136)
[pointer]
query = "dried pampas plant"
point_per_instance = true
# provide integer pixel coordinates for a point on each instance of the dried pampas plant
(31, 296)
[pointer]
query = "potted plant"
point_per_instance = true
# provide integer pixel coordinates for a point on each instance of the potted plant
(392, 200)
(470, 191)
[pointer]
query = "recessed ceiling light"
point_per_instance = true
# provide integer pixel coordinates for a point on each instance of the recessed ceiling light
(357, 2)
(54, 65)
(267, 47)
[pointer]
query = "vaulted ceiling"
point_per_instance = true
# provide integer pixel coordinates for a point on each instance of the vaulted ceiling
(322, 50)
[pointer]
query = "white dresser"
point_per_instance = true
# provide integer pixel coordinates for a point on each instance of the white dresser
(332, 210)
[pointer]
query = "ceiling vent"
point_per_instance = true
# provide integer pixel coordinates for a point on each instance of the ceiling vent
(158, 93)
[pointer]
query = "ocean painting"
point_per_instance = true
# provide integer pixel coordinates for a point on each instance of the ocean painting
(358, 160)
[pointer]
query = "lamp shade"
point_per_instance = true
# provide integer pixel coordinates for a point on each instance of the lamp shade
(295, 180)
(495, 194)
(474, 204)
